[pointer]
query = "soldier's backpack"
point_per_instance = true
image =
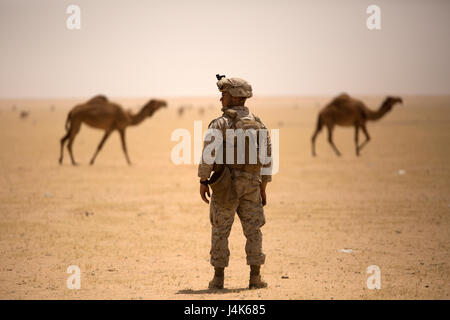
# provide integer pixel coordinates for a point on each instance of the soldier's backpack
(252, 162)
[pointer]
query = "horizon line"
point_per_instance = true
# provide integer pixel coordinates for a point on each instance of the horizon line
(217, 96)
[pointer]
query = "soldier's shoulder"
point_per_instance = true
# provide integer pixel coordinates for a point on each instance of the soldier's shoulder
(218, 123)
(258, 119)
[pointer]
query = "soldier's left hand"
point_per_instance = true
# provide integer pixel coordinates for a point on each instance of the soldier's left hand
(204, 190)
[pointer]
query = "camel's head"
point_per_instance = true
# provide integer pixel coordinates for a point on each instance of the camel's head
(160, 103)
(394, 100)
(153, 105)
(391, 101)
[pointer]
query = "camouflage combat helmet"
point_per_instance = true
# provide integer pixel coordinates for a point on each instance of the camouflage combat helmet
(237, 87)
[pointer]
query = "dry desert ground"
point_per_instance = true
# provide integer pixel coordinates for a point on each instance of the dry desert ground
(142, 231)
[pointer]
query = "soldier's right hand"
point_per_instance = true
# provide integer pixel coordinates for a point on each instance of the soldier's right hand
(263, 193)
(263, 197)
(204, 190)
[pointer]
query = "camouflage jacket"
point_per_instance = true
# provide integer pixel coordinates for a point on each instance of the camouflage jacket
(225, 122)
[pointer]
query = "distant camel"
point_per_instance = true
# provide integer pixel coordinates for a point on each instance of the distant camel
(24, 114)
(347, 111)
(180, 111)
(101, 113)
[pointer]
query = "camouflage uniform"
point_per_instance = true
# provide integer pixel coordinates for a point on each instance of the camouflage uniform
(248, 205)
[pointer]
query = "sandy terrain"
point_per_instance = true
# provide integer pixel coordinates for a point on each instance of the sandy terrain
(142, 232)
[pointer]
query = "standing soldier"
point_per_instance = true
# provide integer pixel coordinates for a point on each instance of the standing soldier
(236, 187)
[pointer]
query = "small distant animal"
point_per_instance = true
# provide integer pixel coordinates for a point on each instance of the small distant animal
(24, 114)
(100, 113)
(347, 111)
(181, 111)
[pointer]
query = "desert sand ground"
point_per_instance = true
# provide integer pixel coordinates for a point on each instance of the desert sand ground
(142, 232)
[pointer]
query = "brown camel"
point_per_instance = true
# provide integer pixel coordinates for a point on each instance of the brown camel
(101, 113)
(347, 111)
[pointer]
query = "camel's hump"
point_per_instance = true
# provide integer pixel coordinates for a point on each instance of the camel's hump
(343, 98)
(98, 98)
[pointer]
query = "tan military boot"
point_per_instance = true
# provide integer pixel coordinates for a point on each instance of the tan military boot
(255, 278)
(217, 281)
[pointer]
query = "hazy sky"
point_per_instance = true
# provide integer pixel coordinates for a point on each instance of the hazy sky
(175, 48)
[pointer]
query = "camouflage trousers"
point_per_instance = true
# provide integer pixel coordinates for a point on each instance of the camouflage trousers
(250, 211)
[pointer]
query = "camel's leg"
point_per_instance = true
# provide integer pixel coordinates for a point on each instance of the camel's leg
(102, 142)
(74, 129)
(313, 138)
(364, 129)
(124, 145)
(330, 140)
(63, 140)
(357, 139)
